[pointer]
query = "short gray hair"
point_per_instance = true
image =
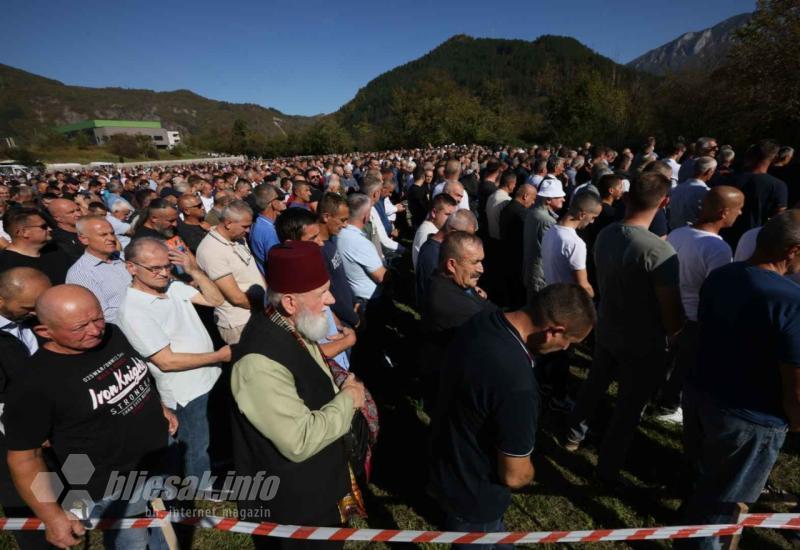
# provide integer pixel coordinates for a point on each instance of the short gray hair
(703, 144)
(181, 187)
(134, 249)
(703, 165)
(726, 154)
(121, 204)
(274, 298)
(235, 211)
(461, 220)
(84, 221)
(554, 162)
(358, 204)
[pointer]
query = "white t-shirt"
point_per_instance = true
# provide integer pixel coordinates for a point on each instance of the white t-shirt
(563, 253)
(426, 229)
(208, 202)
(152, 323)
(699, 253)
(676, 168)
(747, 245)
(494, 206)
(535, 180)
(359, 259)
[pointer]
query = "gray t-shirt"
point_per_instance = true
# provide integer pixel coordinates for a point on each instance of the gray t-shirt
(631, 262)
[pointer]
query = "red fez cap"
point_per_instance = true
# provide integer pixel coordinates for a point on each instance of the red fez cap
(296, 267)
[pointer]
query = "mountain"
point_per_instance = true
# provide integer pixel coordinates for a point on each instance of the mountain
(515, 81)
(30, 104)
(696, 49)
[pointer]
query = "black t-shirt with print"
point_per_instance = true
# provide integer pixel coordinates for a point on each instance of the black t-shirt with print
(102, 403)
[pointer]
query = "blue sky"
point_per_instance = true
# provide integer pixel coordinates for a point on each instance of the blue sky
(309, 56)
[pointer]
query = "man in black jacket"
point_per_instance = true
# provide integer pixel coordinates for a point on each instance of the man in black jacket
(453, 297)
(19, 288)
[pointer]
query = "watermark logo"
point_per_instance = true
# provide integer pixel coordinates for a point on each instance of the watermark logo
(77, 472)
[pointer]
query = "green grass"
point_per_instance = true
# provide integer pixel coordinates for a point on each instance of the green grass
(98, 154)
(563, 495)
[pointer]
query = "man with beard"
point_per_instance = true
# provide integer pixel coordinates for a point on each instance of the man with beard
(160, 221)
(290, 416)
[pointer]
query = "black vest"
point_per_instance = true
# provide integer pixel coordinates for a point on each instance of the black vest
(310, 490)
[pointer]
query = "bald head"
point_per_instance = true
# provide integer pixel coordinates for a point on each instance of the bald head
(721, 202)
(19, 289)
(65, 213)
(526, 194)
(59, 304)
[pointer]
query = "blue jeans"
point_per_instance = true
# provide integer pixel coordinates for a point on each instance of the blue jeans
(455, 523)
(193, 434)
(127, 539)
(731, 459)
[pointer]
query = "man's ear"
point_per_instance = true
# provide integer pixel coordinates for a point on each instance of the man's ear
(43, 331)
(84, 241)
(554, 330)
(289, 304)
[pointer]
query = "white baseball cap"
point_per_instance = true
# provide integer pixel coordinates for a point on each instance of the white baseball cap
(551, 188)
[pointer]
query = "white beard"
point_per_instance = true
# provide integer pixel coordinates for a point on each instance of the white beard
(312, 327)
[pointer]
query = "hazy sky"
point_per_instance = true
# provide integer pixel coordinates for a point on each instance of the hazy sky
(307, 57)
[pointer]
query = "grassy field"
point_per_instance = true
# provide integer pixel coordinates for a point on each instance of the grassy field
(563, 495)
(98, 154)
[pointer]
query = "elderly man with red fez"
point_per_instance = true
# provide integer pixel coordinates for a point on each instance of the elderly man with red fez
(290, 417)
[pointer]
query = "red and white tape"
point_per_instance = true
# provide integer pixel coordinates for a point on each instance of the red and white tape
(772, 521)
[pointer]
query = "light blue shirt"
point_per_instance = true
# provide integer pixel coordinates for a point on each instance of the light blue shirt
(262, 237)
(359, 258)
(342, 359)
(108, 281)
(684, 202)
(120, 228)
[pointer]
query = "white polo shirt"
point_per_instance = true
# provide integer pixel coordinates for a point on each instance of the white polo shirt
(152, 323)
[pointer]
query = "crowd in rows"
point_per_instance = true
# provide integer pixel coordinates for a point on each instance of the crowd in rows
(140, 307)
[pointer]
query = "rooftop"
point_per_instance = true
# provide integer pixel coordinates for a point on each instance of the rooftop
(89, 124)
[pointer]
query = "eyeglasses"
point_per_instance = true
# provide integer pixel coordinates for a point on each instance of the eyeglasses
(155, 269)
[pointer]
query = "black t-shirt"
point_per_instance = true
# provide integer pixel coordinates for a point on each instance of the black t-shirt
(340, 288)
(68, 242)
(790, 175)
(418, 203)
(143, 231)
(764, 195)
(448, 306)
(191, 235)
(102, 403)
(52, 261)
(488, 402)
(512, 222)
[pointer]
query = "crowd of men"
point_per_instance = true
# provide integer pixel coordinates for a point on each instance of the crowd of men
(143, 310)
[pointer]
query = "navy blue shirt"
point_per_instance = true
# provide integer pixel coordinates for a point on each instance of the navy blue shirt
(343, 308)
(427, 261)
(749, 323)
(488, 402)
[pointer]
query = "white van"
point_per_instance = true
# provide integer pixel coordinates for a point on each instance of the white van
(14, 170)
